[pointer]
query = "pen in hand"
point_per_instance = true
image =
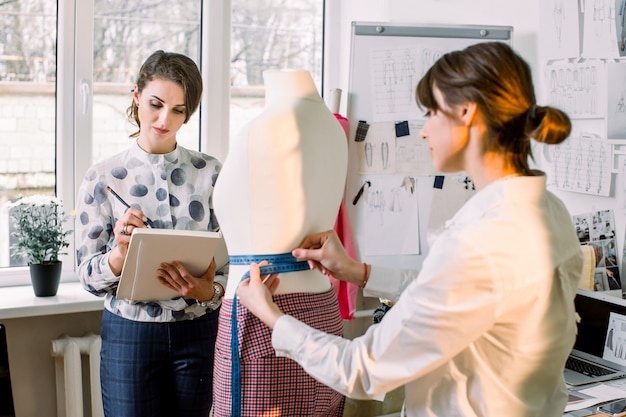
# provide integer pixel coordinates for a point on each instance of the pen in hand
(147, 223)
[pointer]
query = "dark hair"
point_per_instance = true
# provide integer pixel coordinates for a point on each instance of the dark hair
(499, 81)
(174, 67)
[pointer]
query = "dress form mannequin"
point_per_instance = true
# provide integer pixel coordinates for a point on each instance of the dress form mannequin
(283, 178)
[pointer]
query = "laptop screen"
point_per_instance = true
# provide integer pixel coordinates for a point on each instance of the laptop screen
(594, 309)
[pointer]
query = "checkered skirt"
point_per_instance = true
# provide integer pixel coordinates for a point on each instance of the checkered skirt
(270, 385)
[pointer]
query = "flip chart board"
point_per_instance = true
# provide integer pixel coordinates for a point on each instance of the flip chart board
(385, 150)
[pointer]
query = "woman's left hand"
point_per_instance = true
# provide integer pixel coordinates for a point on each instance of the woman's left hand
(255, 294)
(175, 276)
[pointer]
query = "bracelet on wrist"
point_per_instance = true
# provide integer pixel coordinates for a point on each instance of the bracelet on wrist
(366, 275)
(215, 301)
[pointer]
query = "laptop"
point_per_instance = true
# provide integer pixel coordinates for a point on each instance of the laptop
(585, 364)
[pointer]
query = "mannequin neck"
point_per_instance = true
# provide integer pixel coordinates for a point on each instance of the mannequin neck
(287, 85)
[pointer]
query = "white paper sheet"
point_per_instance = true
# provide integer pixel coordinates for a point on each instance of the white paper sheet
(582, 164)
(616, 106)
(559, 25)
(600, 29)
(599, 393)
(391, 218)
(579, 89)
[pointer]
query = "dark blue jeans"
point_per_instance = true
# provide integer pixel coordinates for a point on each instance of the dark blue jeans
(157, 369)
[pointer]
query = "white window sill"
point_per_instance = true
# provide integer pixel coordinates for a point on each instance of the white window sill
(20, 301)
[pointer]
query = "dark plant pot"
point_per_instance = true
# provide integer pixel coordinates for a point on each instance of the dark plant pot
(45, 278)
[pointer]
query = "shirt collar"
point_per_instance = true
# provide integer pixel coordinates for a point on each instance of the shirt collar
(520, 190)
(171, 157)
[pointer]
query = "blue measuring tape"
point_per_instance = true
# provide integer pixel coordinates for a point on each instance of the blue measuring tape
(277, 264)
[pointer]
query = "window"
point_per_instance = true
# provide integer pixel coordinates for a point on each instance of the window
(123, 38)
(271, 34)
(67, 67)
(27, 107)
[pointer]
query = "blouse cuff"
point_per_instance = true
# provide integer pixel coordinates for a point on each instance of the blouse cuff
(288, 336)
(221, 279)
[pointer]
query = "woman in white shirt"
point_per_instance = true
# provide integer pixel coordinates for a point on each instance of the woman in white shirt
(485, 327)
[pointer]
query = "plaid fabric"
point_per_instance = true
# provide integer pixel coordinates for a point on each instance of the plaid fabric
(273, 386)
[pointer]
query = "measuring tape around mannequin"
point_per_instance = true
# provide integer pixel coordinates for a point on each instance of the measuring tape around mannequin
(277, 264)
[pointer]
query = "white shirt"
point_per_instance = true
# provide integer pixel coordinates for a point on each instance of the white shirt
(483, 329)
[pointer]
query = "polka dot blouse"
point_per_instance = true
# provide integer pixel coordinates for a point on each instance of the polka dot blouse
(174, 190)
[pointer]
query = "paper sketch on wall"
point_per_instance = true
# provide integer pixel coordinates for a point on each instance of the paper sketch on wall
(381, 152)
(597, 229)
(413, 153)
(391, 217)
(579, 89)
(429, 57)
(377, 152)
(581, 164)
(616, 109)
(394, 74)
(559, 23)
(600, 29)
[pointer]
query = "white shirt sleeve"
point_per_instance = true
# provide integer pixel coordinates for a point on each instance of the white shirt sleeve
(388, 282)
(426, 328)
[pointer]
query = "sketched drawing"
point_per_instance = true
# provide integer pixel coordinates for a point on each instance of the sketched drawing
(377, 205)
(616, 99)
(581, 164)
(389, 80)
(558, 19)
(384, 154)
(600, 23)
(577, 89)
(394, 75)
(560, 27)
(368, 149)
(409, 72)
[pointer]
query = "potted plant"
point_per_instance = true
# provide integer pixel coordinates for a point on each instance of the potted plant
(40, 237)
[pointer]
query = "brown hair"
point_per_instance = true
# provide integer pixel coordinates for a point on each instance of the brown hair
(174, 67)
(499, 81)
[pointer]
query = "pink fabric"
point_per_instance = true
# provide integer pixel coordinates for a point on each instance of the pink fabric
(346, 292)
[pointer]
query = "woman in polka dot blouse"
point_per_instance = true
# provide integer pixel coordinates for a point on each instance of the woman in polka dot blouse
(157, 357)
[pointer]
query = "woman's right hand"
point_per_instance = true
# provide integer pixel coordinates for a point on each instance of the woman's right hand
(325, 252)
(130, 220)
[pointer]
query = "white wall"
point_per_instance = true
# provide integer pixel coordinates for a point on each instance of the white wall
(32, 367)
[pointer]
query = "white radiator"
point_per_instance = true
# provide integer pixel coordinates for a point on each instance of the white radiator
(68, 352)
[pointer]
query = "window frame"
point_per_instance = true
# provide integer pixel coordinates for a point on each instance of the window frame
(74, 99)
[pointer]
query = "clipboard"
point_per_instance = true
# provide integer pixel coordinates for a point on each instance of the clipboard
(148, 248)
